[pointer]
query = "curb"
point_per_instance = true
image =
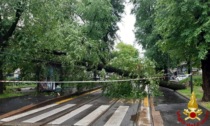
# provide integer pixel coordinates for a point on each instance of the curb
(189, 99)
(150, 104)
(50, 101)
(156, 118)
(143, 116)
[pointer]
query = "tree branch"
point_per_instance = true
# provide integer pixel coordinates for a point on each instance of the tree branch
(12, 28)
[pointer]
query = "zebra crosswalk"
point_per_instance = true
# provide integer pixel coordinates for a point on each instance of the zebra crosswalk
(39, 114)
(70, 115)
(92, 116)
(117, 117)
(27, 113)
(49, 113)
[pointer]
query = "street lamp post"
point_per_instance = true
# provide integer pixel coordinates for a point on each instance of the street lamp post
(191, 83)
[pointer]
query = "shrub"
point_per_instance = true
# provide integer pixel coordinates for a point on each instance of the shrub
(197, 80)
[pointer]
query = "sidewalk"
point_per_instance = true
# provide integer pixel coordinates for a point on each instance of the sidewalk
(10, 104)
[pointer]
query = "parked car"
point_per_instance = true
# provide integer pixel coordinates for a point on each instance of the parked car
(181, 77)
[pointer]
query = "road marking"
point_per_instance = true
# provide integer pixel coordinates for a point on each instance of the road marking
(92, 116)
(68, 99)
(146, 102)
(144, 116)
(117, 117)
(47, 114)
(27, 113)
(65, 100)
(70, 115)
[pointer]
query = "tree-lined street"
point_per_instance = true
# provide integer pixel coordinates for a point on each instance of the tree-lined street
(57, 50)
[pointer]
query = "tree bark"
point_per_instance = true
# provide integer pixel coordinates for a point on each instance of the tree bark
(166, 73)
(37, 75)
(206, 77)
(121, 72)
(1, 78)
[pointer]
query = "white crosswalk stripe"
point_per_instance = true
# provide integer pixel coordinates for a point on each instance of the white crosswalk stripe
(115, 120)
(11, 118)
(47, 114)
(92, 116)
(70, 115)
(117, 117)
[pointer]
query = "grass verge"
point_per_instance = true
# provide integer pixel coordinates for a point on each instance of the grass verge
(12, 90)
(9, 95)
(198, 93)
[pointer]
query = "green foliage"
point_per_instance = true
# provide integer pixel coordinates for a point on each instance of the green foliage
(125, 90)
(144, 11)
(184, 81)
(103, 74)
(179, 29)
(14, 86)
(13, 90)
(149, 71)
(126, 57)
(10, 94)
(146, 34)
(119, 90)
(197, 80)
(96, 16)
(181, 26)
(59, 33)
(77, 28)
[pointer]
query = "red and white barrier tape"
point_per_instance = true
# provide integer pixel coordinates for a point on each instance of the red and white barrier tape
(100, 81)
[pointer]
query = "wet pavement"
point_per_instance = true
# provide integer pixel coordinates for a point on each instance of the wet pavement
(171, 106)
(10, 104)
(89, 109)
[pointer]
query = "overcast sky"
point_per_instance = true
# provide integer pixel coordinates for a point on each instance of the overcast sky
(126, 26)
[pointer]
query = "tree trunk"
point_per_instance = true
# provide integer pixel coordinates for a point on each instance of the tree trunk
(95, 75)
(206, 77)
(166, 73)
(4, 39)
(1, 78)
(189, 67)
(37, 75)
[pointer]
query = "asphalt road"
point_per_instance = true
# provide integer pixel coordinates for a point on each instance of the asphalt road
(96, 110)
(171, 103)
(90, 109)
(10, 104)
